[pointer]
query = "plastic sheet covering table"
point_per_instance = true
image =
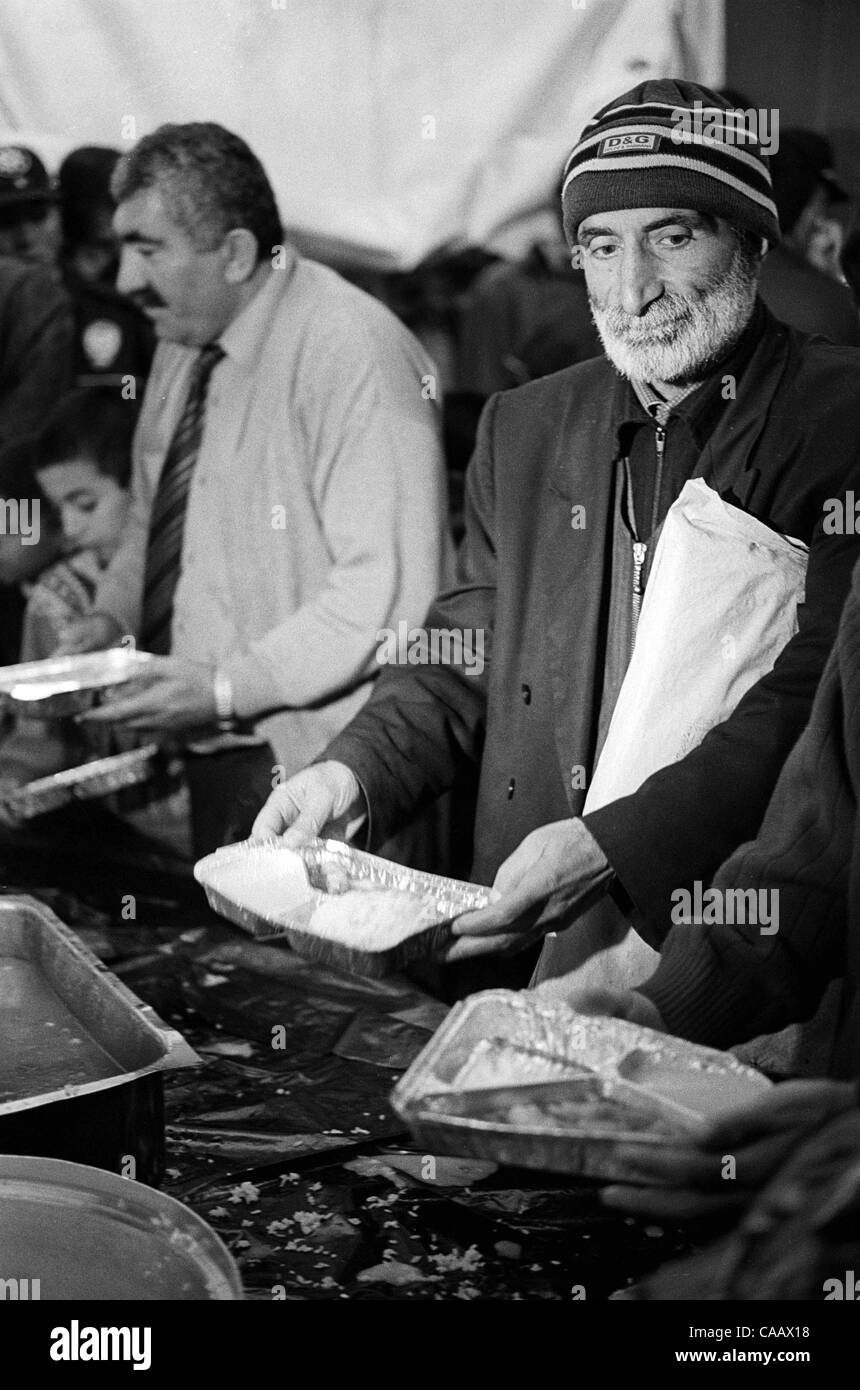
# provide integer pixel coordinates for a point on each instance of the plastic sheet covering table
(284, 1140)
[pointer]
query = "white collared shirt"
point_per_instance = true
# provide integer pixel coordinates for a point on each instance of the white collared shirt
(317, 513)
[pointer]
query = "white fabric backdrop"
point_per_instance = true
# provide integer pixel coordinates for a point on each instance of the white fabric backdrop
(389, 127)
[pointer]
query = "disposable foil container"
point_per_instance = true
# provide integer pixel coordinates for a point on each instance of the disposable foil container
(241, 884)
(65, 685)
(100, 777)
(604, 1055)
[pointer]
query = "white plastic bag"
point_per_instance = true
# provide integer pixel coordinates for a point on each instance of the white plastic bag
(720, 605)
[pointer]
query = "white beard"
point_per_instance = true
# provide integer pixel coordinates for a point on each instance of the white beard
(680, 337)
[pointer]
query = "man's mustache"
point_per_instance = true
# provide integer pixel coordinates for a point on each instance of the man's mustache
(146, 299)
(663, 318)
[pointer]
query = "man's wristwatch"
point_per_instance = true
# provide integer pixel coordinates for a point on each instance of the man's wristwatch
(222, 689)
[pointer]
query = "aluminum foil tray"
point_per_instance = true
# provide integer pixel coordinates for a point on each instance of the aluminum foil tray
(97, 778)
(81, 1057)
(264, 888)
(66, 685)
(621, 1059)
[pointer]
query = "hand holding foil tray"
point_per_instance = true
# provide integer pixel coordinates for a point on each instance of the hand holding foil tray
(62, 686)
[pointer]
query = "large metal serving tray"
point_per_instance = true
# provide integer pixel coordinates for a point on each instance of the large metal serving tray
(599, 1045)
(67, 685)
(100, 777)
(81, 1057)
(76, 1232)
(241, 883)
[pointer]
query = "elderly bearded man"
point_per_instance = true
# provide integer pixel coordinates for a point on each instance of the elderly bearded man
(288, 492)
(670, 235)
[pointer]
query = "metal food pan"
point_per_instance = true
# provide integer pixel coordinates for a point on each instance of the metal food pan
(82, 1058)
(600, 1044)
(77, 1232)
(67, 685)
(100, 777)
(232, 878)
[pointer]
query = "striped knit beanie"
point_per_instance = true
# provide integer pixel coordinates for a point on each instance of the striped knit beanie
(670, 144)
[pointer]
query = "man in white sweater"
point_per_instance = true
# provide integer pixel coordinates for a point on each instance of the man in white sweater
(288, 487)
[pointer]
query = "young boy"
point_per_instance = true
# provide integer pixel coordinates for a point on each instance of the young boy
(82, 464)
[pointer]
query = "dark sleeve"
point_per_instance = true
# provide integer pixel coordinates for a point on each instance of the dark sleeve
(425, 722)
(722, 984)
(686, 819)
(37, 352)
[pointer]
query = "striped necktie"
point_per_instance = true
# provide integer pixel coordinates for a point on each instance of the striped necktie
(167, 522)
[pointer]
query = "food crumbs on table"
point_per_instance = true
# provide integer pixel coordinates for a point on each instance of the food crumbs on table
(469, 1260)
(244, 1192)
(308, 1221)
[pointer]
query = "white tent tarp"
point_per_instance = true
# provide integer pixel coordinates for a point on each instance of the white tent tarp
(389, 127)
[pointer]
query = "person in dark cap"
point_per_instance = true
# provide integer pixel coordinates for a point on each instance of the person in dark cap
(668, 204)
(29, 211)
(794, 288)
(113, 338)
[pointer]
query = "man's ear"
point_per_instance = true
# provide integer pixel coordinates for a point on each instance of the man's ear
(241, 255)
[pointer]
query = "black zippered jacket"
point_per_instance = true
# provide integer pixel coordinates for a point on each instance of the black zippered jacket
(535, 581)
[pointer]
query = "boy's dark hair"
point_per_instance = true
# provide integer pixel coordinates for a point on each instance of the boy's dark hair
(93, 423)
(17, 478)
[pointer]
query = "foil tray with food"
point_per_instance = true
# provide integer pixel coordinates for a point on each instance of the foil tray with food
(100, 777)
(336, 905)
(62, 686)
(511, 1078)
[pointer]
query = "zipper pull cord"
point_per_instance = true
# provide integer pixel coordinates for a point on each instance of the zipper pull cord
(658, 476)
(640, 549)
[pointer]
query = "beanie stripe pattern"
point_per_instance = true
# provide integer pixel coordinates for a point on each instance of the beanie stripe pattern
(675, 145)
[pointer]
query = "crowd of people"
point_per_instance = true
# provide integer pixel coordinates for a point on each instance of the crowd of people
(255, 470)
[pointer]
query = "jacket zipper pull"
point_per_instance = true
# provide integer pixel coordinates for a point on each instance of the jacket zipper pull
(640, 550)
